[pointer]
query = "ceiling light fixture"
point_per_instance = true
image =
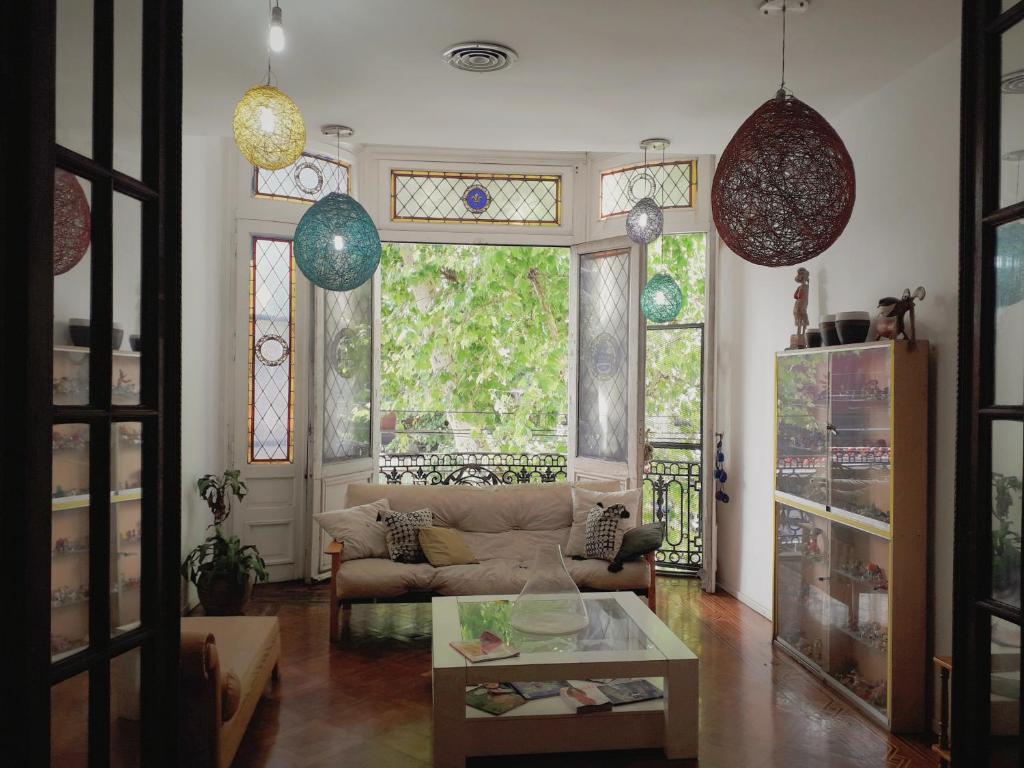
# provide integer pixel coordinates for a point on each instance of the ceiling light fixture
(480, 57)
(276, 39)
(646, 221)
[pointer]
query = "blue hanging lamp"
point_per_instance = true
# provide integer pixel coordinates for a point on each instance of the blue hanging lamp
(662, 300)
(337, 246)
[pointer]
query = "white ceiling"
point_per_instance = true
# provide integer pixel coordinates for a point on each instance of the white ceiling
(594, 75)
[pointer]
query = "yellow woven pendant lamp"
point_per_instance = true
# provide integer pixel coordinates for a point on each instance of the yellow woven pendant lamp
(269, 129)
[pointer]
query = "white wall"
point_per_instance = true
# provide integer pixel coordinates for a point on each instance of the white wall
(207, 257)
(903, 233)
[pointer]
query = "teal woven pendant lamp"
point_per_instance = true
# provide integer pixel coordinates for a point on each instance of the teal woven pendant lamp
(662, 300)
(337, 246)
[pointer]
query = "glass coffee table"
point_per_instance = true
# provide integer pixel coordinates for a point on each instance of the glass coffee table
(623, 639)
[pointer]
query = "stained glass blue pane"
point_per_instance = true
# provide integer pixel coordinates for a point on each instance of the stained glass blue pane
(603, 396)
(454, 197)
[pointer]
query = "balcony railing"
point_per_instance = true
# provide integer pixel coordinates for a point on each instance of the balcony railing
(672, 490)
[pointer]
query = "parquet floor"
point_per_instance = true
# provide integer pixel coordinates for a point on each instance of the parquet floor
(367, 701)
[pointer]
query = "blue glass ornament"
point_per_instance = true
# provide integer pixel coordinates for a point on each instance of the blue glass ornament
(662, 301)
(337, 246)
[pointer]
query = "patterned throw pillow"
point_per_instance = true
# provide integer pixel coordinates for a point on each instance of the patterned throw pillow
(402, 530)
(603, 537)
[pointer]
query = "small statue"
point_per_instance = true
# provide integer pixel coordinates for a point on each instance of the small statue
(801, 296)
(890, 316)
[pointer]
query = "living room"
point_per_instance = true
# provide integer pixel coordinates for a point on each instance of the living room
(667, 356)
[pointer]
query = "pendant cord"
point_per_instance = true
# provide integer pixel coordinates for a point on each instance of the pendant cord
(270, 72)
(337, 136)
(661, 187)
(782, 87)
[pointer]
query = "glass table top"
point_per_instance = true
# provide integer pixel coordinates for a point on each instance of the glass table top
(609, 628)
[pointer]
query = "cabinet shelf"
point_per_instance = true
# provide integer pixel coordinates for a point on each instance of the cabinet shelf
(859, 639)
(63, 503)
(70, 349)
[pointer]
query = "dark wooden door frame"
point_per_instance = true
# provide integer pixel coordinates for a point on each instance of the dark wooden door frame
(28, 156)
(983, 25)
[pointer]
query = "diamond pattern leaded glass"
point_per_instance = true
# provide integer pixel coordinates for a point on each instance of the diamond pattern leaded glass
(602, 430)
(348, 365)
(307, 179)
(674, 186)
(439, 197)
(271, 346)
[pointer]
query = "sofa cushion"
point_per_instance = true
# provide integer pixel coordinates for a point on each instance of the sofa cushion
(489, 577)
(637, 542)
(358, 529)
(496, 509)
(603, 533)
(584, 500)
(402, 531)
(513, 545)
(378, 577)
(444, 546)
(594, 575)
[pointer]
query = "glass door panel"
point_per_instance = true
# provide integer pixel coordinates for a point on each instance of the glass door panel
(860, 428)
(801, 586)
(1008, 324)
(1004, 694)
(125, 526)
(802, 411)
(69, 722)
(69, 548)
(858, 615)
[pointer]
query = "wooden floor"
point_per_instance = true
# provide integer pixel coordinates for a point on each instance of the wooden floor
(367, 701)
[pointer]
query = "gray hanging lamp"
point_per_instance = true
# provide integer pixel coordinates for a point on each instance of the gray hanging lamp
(645, 221)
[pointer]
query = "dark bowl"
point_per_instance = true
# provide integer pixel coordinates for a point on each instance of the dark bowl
(829, 334)
(79, 335)
(116, 337)
(853, 331)
(135, 342)
(813, 337)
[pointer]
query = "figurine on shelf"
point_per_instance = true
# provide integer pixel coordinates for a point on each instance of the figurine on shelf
(890, 320)
(801, 296)
(124, 385)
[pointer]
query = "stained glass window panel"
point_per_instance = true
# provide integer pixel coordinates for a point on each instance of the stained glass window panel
(271, 347)
(603, 370)
(671, 184)
(348, 366)
(440, 197)
(306, 180)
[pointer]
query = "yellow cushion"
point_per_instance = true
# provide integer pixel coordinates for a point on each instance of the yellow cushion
(444, 546)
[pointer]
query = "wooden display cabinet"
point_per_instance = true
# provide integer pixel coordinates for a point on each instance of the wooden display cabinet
(70, 542)
(850, 507)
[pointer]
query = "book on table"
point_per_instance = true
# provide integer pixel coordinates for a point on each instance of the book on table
(488, 647)
(494, 699)
(541, 690)
(584, 697)
(630, 691)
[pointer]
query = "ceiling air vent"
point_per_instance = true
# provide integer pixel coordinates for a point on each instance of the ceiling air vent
(1013, 82)
(480, 57)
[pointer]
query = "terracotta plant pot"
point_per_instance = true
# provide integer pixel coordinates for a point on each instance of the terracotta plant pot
(223, 595)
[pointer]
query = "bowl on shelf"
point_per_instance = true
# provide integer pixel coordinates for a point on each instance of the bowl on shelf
(829, 334)
(853, 327)
(135, 342)
(813, 337)
(78, 330)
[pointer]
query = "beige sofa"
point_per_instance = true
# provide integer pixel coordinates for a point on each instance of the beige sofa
(502, 525)
(226, 662)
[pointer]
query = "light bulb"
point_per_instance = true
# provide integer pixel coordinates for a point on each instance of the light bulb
(267, 120)
(339, 243)
(642, 221)
(276, 30)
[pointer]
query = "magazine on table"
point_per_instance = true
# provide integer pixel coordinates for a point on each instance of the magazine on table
(542, 690)
(630, 691)
(488, 647)
(494, 699)
(584, 697)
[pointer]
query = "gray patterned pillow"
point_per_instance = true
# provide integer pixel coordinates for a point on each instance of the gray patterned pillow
(603, 537)
(402, 531)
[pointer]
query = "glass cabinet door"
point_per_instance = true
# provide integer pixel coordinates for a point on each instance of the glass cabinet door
(860, 440)
(858, 613)
(801, 588)
(802, 411)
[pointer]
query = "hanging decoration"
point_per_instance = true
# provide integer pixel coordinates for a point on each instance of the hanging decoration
(785, 184)
(662, 300)
(645, 221)
(337, 246)
(72, 222)
(269, 129)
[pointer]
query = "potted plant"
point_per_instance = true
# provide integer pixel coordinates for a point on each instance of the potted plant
(220, 567)
(1005, 541)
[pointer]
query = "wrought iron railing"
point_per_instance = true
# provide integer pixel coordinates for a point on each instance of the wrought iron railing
(672, 490)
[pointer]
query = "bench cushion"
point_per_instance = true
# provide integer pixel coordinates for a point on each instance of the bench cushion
(381, 577)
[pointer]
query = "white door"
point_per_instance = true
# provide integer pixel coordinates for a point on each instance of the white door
(268, 394)
(345, 417)
(606, 361)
